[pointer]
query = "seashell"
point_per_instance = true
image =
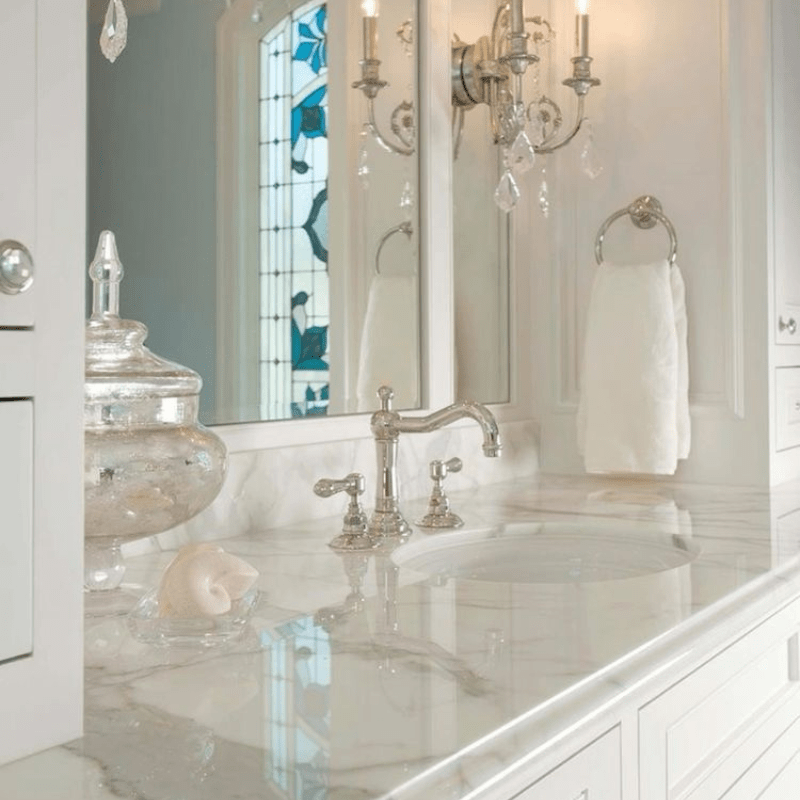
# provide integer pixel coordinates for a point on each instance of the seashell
(203, 581)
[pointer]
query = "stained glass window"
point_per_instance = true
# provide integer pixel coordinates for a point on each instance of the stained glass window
(294, 362)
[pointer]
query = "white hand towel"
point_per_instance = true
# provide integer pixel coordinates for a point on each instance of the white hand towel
(390, 343)
(634, 408)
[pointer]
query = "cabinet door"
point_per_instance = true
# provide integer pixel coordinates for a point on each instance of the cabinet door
(18, 145)
(594, 773)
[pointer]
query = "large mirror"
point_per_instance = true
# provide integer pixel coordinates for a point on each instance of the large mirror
(265, 208)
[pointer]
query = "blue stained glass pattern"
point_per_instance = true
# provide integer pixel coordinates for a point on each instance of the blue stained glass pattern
(313, 46)
(316, 226)
(295, 367)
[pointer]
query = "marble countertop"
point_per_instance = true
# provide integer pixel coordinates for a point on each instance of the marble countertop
(359, 678)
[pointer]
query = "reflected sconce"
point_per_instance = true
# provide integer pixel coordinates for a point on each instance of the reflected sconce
(402, 118)
(490, 72)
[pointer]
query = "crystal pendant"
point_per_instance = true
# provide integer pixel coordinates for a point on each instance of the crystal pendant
(590, 159)
(521, 156)
(257, 14)
(506, 194)
(544, 195)
(114, 34)
(407, 201)
(363, 160)
(535, 125)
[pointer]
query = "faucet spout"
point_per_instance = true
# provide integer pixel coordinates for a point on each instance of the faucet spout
(449, 414)
(387, 425)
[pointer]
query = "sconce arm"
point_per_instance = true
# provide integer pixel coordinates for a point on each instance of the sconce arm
(391, 147)
(549, 146)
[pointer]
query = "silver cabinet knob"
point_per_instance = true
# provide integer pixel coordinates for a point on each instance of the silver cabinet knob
(16, 267)
(788, 325)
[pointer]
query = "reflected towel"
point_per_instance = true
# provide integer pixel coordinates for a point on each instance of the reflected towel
(634, 408)
(389, 353)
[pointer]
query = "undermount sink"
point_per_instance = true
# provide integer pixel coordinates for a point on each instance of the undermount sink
(548, 553)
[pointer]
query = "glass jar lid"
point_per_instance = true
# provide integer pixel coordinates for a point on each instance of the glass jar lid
(118, 365)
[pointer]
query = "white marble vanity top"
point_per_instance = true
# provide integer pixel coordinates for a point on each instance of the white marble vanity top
(360, 679)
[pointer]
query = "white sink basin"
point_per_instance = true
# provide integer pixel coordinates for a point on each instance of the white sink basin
(548, 553)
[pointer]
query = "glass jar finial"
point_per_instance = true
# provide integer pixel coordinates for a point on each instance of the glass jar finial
(106, 272)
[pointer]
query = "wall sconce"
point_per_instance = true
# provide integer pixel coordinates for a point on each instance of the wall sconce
(490, 71)
(402, 118)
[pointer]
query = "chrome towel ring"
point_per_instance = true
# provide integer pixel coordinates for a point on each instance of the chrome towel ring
(644, 212)
(403, 227)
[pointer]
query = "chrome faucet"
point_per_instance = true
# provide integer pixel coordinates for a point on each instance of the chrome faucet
(387, 425)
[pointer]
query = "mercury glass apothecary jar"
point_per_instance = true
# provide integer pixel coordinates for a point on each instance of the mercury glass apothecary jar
(149, 464)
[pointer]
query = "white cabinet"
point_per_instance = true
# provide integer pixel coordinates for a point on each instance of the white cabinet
(697, 738)
(727, 727)
(42, 169)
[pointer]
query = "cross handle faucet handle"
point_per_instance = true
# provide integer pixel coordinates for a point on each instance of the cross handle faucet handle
(441, 469)
(354, 484)
(354, 527)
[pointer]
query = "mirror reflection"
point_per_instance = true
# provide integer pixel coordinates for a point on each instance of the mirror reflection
(264, 206)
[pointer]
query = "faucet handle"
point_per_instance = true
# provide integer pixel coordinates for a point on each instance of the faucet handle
(439, 514)
(441, 469)
(354, 484)
(354, 527)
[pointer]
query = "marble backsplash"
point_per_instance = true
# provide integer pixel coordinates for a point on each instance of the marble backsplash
(270, 488)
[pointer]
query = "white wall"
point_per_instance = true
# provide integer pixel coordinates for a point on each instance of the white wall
(480, 242)
(681, 115)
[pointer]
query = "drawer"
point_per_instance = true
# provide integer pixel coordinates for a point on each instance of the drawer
(593, 773)
(787, 410)
(708, 727)
(16, 531)
(775, 775)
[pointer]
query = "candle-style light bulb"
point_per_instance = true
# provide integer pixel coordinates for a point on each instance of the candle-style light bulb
(370, 9)
(517, 17)
(582, 28)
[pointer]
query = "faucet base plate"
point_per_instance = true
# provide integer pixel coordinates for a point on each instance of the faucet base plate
(388, 524)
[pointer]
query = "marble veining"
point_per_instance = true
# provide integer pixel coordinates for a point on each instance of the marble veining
(360, 678)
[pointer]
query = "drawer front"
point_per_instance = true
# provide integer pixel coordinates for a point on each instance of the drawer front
(776, 775)
(787, 411)
(594, 773)
(16, 531)
(730, 705)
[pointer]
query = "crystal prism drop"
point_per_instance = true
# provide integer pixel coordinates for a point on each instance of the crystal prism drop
(522, 156)
(590, 159)
(506, 194)
(363, 161)
(544, 196)
(114, 34)
(407, 201)
(257, 14)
